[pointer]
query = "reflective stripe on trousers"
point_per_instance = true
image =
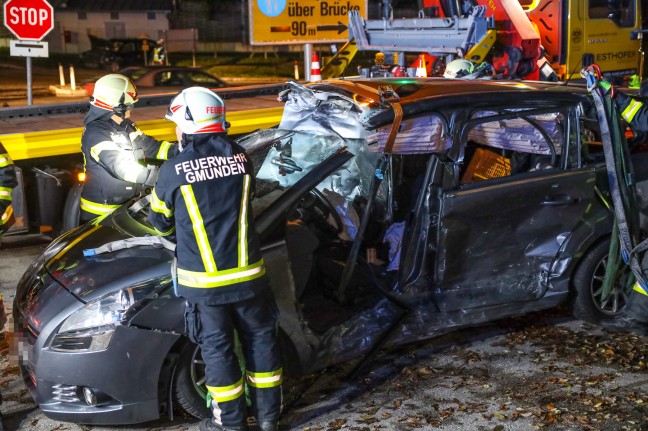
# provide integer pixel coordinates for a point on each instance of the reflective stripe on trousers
(256, 322)
(97, 208)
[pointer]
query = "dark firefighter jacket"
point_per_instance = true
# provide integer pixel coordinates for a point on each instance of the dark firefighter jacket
(112, 157)
(205, 194)
(7, 183)
(634, 111)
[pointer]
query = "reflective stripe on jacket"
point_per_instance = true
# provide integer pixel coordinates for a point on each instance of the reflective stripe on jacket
(634, 111)
(206, 194)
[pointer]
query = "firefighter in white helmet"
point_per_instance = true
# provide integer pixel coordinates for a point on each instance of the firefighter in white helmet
(461, 68)
(458, 68)
(115, 151)
(204, 195)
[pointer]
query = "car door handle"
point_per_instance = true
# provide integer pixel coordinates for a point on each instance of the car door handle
(558, 200)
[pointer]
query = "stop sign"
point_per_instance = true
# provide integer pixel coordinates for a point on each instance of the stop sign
(29, 19)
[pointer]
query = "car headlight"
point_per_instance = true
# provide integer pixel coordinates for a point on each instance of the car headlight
(91, 327)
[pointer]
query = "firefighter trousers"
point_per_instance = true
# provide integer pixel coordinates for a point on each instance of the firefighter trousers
(256, 322)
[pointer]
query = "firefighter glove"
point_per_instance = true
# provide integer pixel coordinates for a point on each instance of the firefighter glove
(128, 125)
(131, 128)
(152, 175)
(606, 87)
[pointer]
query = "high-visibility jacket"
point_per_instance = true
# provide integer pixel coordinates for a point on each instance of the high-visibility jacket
(112, 162)
(158, 55)
(7, 183)
(205, 193)
(634, 111)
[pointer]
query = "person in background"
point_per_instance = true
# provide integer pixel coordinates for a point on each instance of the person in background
(220, 270)
(461, 68)
(159, 53)
(7, 184)
(114, 149)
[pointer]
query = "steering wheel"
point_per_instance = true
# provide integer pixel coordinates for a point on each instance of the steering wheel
(319, 197)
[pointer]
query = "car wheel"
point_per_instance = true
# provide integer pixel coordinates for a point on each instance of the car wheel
(587, 302)
(189, 385)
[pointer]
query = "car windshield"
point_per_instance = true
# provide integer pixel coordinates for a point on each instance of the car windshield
(283, 157)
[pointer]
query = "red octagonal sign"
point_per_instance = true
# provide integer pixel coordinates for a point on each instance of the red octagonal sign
(29, 19)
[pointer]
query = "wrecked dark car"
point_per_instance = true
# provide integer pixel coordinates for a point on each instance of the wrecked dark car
(115, 54)
(495, 194)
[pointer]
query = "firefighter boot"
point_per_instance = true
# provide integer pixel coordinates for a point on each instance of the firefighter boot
(634, 319)
(211, 425)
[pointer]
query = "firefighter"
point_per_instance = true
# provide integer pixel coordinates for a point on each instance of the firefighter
(113, 148)
(458, 68)
(461, 68)
(159, 53)
(7, 183)
(633, 110)
(634, 317)
(204, 195)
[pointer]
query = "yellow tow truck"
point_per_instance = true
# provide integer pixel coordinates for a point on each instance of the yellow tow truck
(528, 39)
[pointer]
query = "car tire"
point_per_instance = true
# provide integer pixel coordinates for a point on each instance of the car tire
(586, 301)
(189, 388)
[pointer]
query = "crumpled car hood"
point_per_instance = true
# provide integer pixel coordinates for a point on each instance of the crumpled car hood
(88, 277)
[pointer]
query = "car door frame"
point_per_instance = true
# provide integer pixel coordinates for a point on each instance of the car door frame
(467, 291)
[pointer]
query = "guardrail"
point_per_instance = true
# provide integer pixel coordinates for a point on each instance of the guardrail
(31, 145)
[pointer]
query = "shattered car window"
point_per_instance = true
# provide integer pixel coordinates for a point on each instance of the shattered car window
(292, 155)
(353, 179)
(520, 134)
(502, 147)
(427, 134)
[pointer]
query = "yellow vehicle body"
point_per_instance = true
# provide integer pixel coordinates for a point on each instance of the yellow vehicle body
(572, 33)
(576, 33)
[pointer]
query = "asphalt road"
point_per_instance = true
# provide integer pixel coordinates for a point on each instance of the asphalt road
(545, 371)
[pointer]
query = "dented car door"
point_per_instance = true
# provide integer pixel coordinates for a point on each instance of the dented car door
(516, 202)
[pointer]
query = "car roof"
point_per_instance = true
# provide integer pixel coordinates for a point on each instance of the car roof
(417, 95)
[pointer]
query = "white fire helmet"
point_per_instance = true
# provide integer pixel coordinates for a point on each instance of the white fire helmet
(458, 68)
(198, 110)
(114, 92)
